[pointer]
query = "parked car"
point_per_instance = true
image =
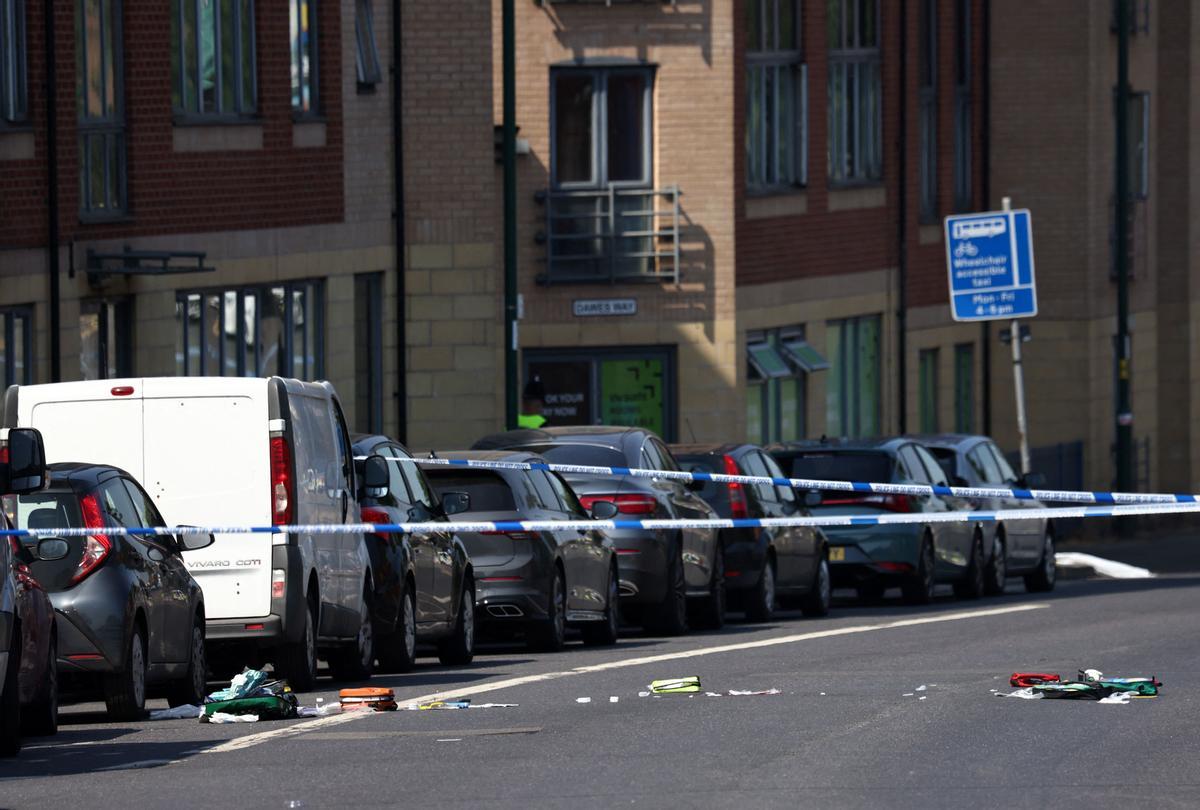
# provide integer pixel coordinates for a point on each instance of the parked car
(28, 683)
(424, 583)
(915, 556)
(763, 565)
(1014, 547)
(129, 614)
(238, 451)
(540, 581)
(661, 570)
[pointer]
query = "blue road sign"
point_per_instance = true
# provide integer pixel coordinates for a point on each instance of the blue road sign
(990, 261)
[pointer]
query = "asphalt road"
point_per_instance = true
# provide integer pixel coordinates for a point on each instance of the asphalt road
(852, 726)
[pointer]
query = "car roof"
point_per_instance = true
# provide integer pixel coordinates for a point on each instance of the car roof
(884, 443)
(81, 472)
(729, 448)
(368, 441)
(601, 435)
(511, 456)
(948, 441)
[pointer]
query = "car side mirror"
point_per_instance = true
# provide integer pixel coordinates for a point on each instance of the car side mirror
(1033, 480)
(52, 548)
(603, 510)
(22, 462)
(455, 503)
(813, 497)
(195, 542)
(375, 477)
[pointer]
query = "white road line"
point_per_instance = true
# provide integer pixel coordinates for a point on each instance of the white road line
(251, 740)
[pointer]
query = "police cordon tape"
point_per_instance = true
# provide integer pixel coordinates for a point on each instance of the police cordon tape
(1056, 495)
(571, 525)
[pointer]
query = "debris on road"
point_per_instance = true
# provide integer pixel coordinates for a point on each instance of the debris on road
(1101, 566)
(583, 700)
(749, 692)
(218, 718)
(242, 685)
(920, 688)
(376, 698)
(438, 705)
(250, 693)
(674, 686)
(320, 710)
(1027, 679)
(1090, 685)
(185, 712)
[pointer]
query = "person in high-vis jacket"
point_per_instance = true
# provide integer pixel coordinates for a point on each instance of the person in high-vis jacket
(533, 401)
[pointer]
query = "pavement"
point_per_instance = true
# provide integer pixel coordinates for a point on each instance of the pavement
(851, 727)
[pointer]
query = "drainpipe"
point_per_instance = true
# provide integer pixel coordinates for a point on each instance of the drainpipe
(985, 159)
(398, 222)
(508, 35)
(52, 190)
(902, 229)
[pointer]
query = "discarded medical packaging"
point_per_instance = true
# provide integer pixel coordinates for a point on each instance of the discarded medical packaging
(251, 693)
(674, 686)
(185, 712)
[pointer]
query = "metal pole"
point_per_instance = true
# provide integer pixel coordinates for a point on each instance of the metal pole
(508, 24)
(398, 220)
(1019, 379)
(52, 212)
(1124, 415)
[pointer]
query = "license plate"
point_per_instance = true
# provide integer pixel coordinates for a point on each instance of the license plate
(837, 554)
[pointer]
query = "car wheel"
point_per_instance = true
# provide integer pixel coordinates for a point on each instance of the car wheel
(298, 661)
(816, 603)
(40, 718)
(670, 619)
(995, 574)
(1046, 574)
(125, 691)
(762, 600)
(971, 585)
(918, 587)
(355, 661)
(712, 611)
(459, 649)
(191, 689)
(398, 652)
(550, 634)
(605, 633)
(10, 699)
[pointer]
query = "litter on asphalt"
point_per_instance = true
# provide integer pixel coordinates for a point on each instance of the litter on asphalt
(218, 718)
(583, 700)
(250, 693)
(185, 712)
(675, 686)
(375, 698)
(1092, 684)
(438, 705)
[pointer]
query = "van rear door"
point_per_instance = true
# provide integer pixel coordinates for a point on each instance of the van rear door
(99, 422)
(207, 452)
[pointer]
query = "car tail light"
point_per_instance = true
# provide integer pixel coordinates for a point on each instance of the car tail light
(3, 453)
(737, 494)
(891, 503)
(516, 535)
(278, 583)
(895, 567)
(630, 504)
(96, 546)
(282, 485)
(373, 515)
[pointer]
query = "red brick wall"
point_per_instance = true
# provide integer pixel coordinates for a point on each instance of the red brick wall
(173, 192)
(823, 242)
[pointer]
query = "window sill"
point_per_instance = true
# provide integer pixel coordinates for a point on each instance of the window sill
(308, 134)
(17, 144)
(215, 120)
(214, 137)
(106, 219)
(856, 198)
(789, 203)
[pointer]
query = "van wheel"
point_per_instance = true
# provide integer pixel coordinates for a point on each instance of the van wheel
(125, 691)
(459, 649)
(10, 699)
(398, 652)
(355, 661)
(603, 634)
(41, 717)
(191, 689)
(298, 661)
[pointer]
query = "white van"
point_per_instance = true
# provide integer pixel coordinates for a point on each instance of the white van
(228, 451)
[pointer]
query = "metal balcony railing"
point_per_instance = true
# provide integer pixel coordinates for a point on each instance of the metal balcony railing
(611, 235)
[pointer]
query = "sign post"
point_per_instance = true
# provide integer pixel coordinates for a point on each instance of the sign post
(989, 259)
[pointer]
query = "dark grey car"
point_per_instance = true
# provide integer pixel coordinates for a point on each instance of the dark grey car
(540, 581)
(661, 570)
(1014, 547)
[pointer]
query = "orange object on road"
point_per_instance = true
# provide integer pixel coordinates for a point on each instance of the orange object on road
(378, 698)
(1024, 680)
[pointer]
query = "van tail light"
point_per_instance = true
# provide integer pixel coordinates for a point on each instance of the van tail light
(630, 504)
(737, 493)
(278, 583)
(282, 485)
(96, 546)
(3, 453)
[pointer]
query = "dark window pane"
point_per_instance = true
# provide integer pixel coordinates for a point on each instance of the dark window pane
(228, 51)
(94, 92)
(754, 25)
(190, 90)
(868, 32)
(246, 56)
(865, 466)
(573, 127)
(786, 35)
(626, 127)
(208, 55)
(833, 22)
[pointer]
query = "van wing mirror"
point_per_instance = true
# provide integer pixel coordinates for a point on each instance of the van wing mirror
(375, 477)
(23, 462)
(455, 503)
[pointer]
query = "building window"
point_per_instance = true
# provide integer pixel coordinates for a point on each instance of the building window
(14, 98)
(600, 122)
(776, 96)
(212, 58)
(1139, 145)
(368, 352)
(927, 384)
(855, 126)
(16, 346)
(367, 57)
(303, 20)
(99, 91)
(252, 332)
(852, 394)
(607, 386)
(778, 364)
(927, 108)
(962, 105)
(964, 388)
(105, 339)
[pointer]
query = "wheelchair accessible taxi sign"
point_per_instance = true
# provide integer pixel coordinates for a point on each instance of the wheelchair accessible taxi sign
(990, 261)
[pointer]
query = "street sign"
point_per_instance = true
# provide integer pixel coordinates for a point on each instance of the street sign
(989, 258)
(591, 307)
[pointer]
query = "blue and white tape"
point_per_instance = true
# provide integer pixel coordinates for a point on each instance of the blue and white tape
(1055, 495)
(613, 525)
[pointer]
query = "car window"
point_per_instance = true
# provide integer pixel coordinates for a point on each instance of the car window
(935, 474)
(665, 458)
(1007, 476)
(786, 494)
(566, 495)
(142, 505)
(418, 487)
(650, 456)
(398, 495)
(585, 455)
(545, 492)
(983, 464)
(912, 464)
(488, 491)
(341, 440)
(946, 458)
(754, 466)
(116, 505)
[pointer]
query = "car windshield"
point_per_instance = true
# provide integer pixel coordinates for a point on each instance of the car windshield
(946, 459)
(488, 490)
(589, 455)
(843, 466)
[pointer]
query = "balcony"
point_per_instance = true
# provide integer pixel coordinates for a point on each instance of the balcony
(611, 235)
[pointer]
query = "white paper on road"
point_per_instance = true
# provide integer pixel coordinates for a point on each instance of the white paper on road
(1103, 567)
(222, 717)
(1117, 697)
(177, 713)
(1024, 694)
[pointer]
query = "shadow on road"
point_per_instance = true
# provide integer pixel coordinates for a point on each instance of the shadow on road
(52, 758)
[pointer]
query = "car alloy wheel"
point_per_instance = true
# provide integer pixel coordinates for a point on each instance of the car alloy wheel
(606, 632)
(819, 599)
(996, 573)
(410, 628)
(137, 670)
(1044, 576)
